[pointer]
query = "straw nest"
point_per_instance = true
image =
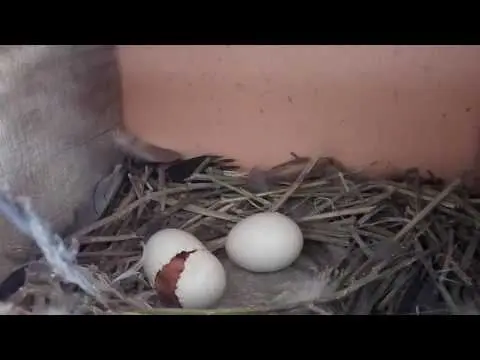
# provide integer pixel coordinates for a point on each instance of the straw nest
(406, 245)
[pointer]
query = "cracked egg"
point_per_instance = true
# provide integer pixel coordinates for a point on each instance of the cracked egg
(182, 271)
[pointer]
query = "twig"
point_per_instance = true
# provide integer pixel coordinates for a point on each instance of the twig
(129, 208)
(426, 210)
(334, 214)
(107, 239)
(295, 185)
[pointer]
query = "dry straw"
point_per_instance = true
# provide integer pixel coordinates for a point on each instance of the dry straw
(409, 245)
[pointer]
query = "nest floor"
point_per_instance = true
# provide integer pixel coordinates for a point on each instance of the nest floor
(407, 245)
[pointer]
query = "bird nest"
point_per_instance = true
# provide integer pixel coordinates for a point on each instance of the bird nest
(395, 246)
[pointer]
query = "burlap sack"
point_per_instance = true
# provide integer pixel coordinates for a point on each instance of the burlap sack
(58, 106)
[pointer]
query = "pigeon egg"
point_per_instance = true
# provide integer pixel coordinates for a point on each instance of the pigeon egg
(264, 242)
(183, 272)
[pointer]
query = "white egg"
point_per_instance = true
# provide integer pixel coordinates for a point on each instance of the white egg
(182, 270)
(264, 242)
(203, 281)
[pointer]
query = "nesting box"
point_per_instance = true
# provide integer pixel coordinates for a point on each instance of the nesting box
(376, 108)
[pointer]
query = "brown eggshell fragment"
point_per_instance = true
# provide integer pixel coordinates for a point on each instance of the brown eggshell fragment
(167, 279)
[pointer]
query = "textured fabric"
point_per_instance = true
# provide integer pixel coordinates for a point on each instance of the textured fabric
(58, 106)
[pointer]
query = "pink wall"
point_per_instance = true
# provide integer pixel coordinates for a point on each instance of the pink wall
(400, 106)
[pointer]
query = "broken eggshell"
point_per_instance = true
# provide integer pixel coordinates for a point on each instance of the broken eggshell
(182, 271)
